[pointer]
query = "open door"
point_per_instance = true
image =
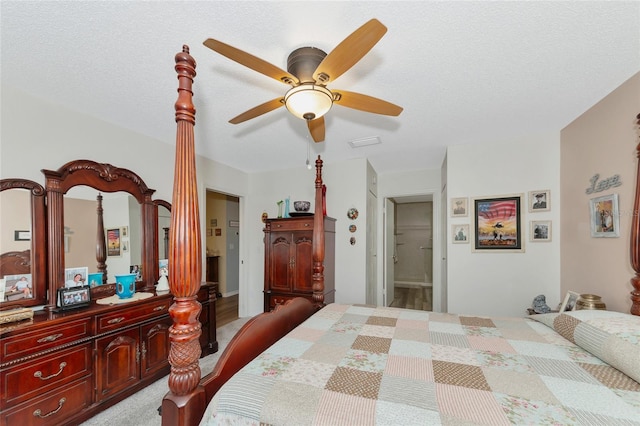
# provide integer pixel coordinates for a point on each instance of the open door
(389, 251)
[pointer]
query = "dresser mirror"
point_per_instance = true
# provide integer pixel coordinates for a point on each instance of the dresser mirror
(23, 244)
(114, 187)
(120, 229)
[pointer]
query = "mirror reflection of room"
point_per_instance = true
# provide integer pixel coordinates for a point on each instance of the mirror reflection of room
(15, 222)
(121, 212)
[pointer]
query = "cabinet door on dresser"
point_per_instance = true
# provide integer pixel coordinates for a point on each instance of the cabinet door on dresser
(290, 261)
(118, 356)
(155, 346)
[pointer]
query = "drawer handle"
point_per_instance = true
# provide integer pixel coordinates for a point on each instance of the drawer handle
(38, 374)
(159, 308)
(115, 320)
(50, 338)
(38, 412)
(306, 224)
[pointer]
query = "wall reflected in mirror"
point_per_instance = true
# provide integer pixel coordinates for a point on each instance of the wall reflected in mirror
(15, 215)
(121, 218)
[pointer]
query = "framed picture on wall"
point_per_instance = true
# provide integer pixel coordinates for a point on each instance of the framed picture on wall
(569, 302)
(540, 231)
(459, 207)
(498, 224)
(539, 201)
(605, 216)
(460, 234)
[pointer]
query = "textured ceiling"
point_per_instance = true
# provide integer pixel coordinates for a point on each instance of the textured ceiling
(465, 72)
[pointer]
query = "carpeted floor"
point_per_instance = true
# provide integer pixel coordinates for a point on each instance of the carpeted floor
(141, 409)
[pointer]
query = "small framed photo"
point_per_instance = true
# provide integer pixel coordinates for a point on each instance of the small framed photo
(124, 232)
(540, 231)
(163, 265)
(605, 216)
(16, 287)
(459, 207)
(22, 235)
(569, 302)
(460, 234)
(539, 201)
(209, 232)
(75, 277)
(74, 297)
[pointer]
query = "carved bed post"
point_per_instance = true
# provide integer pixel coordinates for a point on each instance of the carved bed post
(185, 264)
(318, 240)
(101, 243)
(635, 240)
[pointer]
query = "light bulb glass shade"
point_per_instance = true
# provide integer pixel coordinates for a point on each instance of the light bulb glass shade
(308, 101)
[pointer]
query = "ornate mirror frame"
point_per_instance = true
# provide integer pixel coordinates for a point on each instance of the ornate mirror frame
(161, 239)
(34, 259)
(106, 178)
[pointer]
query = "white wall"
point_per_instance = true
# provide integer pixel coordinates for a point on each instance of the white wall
(504, 284)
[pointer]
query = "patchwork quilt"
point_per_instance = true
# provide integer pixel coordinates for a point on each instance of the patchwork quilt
(362, 365)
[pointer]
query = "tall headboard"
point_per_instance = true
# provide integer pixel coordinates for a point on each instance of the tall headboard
(635, 237)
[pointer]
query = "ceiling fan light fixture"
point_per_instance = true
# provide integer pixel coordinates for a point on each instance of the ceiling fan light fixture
(308, 101)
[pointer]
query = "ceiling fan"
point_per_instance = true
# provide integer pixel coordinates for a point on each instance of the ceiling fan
(309, 70)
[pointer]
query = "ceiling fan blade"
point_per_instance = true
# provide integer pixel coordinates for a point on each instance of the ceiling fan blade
(259, 110)
(349, 51)
(365, 103)
(316, 128)
(252, 62)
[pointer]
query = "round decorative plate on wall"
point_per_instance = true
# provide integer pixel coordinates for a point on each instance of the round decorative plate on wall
(352, 228)
(352, 213)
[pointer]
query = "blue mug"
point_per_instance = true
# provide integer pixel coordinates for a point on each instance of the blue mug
(95, 279)
(125, 285)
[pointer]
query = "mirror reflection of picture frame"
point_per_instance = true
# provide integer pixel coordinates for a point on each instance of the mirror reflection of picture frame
(113, 242)
(70, 274)
(605, 216)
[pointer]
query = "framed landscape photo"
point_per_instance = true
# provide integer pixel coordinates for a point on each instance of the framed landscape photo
(540, 231)
(539, 201)
(498, 224)
(459, 207)
(605, 216)
(460, 234)
(569, 302)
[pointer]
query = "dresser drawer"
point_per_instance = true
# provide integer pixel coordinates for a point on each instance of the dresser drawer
(29, 379)
(296, 224)
(53, 407)
(29, 343)
(132, 315)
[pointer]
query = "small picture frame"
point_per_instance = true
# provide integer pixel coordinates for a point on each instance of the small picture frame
(73, 298)
(124, 232)
(22, 235)
(75, 277)
(540, 231)
(539, 201)
(569, 302)
(460, 234)
(459, 207)
(605, 216)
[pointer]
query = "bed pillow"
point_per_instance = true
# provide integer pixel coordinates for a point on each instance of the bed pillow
(613, 337)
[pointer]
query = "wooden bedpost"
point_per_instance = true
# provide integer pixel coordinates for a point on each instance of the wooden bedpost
(318, 240)
(635, 239)
(185, 262)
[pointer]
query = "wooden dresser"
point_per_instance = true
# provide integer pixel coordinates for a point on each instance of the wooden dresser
(63, 368)
(288, 270)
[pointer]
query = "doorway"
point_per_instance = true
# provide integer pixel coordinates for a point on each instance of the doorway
(222, 248)
(410, 264)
